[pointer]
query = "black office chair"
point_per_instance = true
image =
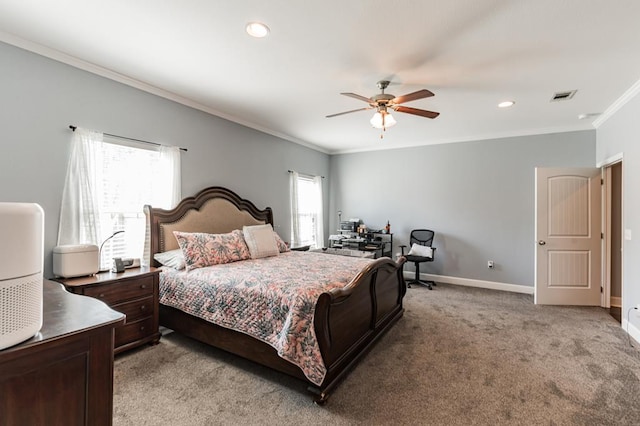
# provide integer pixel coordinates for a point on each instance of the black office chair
(422, 237)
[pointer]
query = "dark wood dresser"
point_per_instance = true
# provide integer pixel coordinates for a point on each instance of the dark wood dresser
(64, 374)
(133, 292)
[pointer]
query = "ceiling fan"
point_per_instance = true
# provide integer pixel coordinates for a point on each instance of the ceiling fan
(383, 102)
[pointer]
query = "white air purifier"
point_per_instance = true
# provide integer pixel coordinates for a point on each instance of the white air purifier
(21, 264)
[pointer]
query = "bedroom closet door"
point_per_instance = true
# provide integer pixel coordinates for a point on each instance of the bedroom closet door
(568, 236)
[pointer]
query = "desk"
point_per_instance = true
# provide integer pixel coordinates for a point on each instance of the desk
(346, 252)
(380, 243)
(64, 374)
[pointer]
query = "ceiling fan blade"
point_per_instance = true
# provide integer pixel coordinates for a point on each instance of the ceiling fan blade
(362, 98)
(420, 94)
(416, 111)
(348, 112)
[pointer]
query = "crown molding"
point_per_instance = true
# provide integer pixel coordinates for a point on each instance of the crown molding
(478, 138)
(619, 103)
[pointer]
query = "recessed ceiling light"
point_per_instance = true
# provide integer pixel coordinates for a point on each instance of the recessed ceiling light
(257, 29)
(506, 104)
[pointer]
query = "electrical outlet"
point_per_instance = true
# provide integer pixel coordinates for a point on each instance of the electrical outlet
(490, 264)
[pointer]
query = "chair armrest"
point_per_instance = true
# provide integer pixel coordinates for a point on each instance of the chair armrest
(402, 248)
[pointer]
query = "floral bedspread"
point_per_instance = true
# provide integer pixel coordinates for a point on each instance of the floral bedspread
(271, 299)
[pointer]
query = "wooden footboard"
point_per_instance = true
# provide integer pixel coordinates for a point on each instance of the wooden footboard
(349, 320)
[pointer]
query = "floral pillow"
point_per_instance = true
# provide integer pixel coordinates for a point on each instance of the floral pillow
(202, 249)
(282, 246)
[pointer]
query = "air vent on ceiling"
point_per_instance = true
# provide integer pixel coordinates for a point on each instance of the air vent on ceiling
(563, 96)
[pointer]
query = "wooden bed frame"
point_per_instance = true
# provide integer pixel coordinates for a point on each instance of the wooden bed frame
(347, 321)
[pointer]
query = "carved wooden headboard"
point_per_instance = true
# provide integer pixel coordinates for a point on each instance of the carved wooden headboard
(213, 210)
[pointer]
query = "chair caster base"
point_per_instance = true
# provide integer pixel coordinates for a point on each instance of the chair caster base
(428, 284)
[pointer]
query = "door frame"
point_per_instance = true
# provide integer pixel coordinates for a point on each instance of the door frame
(605, 166)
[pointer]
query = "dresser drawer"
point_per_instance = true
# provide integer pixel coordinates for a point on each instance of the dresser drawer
(136, 309)
(120, 291)
(133, 331)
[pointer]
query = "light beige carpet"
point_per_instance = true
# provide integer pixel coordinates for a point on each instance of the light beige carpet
(459, 356)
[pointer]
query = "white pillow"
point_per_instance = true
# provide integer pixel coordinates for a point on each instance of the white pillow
(420, 250)
(261, 241)
(172, 258)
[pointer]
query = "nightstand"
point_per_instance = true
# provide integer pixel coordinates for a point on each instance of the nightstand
(133, 292)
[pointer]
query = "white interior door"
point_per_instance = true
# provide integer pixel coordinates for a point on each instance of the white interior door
(568, 239)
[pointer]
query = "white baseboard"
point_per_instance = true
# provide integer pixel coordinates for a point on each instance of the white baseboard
(514, 288)
(616, 302)
(631, 329)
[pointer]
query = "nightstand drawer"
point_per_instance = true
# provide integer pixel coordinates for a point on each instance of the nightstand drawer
(133, 331)
(136, 309)
(133, 292)
(122, 290)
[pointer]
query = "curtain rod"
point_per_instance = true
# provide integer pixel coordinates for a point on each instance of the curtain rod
(291, 171)
(73, 129)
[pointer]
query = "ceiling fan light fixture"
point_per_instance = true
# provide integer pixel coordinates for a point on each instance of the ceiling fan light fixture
(383, 120)
(257, 29)
(384, 102)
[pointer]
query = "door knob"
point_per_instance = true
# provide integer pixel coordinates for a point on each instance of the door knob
(542, 242)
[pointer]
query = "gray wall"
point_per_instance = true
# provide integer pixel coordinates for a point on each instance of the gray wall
(41, 97)
(621, 134)
(477, 196)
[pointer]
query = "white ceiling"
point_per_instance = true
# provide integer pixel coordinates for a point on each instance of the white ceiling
(471, 53)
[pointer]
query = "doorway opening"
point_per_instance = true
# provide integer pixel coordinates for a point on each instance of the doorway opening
(613, 241)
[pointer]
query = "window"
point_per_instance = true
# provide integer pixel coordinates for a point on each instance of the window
(130, 179)
(306, 211)
(108, 184)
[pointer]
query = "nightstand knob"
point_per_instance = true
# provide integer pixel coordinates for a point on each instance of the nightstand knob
(142, 328)
(143, 308)
(101, 295)
(143, 286)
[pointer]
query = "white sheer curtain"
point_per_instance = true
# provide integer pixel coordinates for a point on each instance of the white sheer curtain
(107, 185)
(79, 223)
(171, 175)
(319, 237)
(306, 210)
(171, 179)
(295, 221)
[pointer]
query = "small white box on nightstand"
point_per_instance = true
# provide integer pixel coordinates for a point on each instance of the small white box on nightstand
(75, 260)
